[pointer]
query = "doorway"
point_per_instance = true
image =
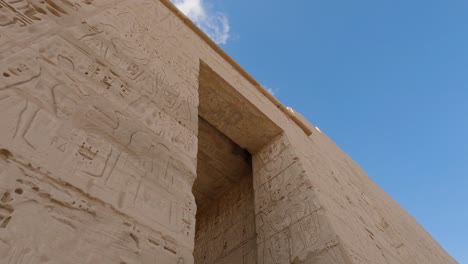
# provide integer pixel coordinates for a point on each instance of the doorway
(225, 220)
(231, 130)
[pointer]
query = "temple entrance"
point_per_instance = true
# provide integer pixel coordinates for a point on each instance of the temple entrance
(225, 221)
(230, 130)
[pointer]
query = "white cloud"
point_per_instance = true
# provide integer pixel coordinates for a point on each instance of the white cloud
(214, 24)
(272, 91)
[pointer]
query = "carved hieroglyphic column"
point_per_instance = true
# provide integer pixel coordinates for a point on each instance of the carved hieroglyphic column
(291, 224)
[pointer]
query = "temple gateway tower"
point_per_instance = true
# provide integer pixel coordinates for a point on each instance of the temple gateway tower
(127, 136)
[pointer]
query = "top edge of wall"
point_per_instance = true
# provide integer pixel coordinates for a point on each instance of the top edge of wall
(307, 130)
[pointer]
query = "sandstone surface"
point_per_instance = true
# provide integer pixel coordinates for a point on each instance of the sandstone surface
(127, 136)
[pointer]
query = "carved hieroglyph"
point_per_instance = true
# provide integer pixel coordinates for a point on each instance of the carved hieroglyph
(97, 138)
(99, 110)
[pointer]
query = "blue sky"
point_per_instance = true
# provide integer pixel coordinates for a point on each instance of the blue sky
(387, 80)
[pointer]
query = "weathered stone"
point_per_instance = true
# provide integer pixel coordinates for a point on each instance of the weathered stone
(127, 136)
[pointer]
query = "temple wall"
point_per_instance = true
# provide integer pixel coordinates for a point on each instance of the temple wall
(226, 228)
(98, 135)
(98, 147)
(292, 225)
(372, 227)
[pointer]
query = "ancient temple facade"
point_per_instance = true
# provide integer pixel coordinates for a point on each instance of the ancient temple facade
(127, 136)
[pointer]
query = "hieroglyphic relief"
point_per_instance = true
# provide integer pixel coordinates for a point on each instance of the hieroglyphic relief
(289, 219)
(119, 130)
(226, 227)
(133, 79)
(309, 240)
(112, 42)
(96, 74)
(91, 160)
(154, 30)
(83, 228)
(21, 13)
(276, 250)
(21, 21)
(98, 141)
(270, 152)
(52, 91)
(223, 107)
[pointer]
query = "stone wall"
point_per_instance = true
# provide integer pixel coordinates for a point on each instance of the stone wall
(226, 228)
(372, 227)
(98, 148)
(292, 225)
(98, 134)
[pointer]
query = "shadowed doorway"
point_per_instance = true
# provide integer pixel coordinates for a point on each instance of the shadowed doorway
(231, 128)
(225, 227)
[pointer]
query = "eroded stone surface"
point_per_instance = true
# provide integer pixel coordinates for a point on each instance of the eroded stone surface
(99, 145)
(226, 227)
(221, 163)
